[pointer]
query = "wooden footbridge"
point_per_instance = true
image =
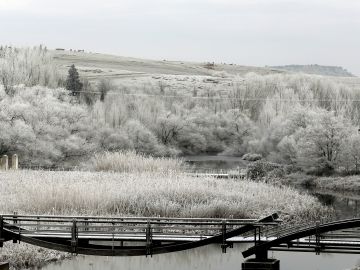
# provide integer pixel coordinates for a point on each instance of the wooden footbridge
(129, 236)
(133, 236)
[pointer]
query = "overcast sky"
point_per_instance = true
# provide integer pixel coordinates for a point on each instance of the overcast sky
(248, 32)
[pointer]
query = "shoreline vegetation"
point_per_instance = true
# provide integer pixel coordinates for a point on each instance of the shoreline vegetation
(278, 174)
(350, 183)
(25, 256)
(147, 191)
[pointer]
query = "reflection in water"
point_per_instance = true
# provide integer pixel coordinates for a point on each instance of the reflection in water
(346, 205)
(326, 199)
(207, 258)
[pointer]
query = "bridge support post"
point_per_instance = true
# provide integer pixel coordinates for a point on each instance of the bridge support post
(74, 237)
(261, 264)
(4, 266)
(15, 223)
(149, 239)
(1, 232)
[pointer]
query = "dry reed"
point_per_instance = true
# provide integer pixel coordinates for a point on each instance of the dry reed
(148, 194)
(132, 162)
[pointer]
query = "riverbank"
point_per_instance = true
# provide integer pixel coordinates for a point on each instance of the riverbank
(24, 256)
(143, 194)
(338, 183)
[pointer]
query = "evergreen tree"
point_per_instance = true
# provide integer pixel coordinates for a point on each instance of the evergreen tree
(73, 83)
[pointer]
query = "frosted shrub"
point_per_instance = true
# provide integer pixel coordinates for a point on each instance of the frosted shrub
(260, 169)
(252, 157)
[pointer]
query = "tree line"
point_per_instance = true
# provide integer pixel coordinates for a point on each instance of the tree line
(305, 122)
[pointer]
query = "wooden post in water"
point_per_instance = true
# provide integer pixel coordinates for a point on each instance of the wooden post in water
(74, 236)
(5, 163)
(15, 224)
(14, 162)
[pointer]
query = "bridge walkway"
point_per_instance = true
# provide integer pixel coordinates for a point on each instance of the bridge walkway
(121, 236)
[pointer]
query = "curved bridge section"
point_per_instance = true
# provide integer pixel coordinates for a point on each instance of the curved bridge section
(338, 237)
(124, 236)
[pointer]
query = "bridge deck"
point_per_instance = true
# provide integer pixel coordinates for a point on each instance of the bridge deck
(97, 235)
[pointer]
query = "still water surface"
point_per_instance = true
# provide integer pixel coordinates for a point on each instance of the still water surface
(210, 257)
(207, 258)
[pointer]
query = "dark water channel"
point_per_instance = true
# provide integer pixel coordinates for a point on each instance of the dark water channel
(346, 205)
(214, 163)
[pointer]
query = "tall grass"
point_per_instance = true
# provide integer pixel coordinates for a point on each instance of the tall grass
(148, 194)
(25, 256)
(132, 162)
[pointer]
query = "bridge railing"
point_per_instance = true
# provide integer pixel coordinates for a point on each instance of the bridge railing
(338, 236)
(105, 227)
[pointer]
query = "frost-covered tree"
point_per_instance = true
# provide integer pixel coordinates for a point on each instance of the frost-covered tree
(104, 86)
(350, 155)
(169, 127)
(28, 66)
(87, 95)
(320, 143)
(288, 150)
(43, 127)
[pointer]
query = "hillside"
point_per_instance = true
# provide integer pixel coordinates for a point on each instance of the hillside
(179, 77)
(173, 77)
(317, 69)
(93, 65)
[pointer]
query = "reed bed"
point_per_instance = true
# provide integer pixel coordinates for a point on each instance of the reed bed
(149, 194)
(132, 162)
(24, 256)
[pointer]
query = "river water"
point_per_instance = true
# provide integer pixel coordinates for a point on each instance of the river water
(346, 205)
(208, 258)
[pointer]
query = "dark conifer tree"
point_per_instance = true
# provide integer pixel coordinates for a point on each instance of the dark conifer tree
(73, 83)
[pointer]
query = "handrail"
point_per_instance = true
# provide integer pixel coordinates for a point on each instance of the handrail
(303, 232)
(136, 220)
(119, 218)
